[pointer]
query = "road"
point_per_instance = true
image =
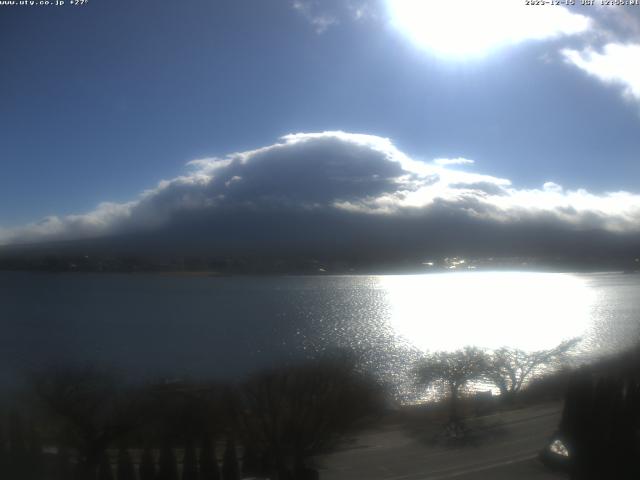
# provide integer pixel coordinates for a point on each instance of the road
(508, 450)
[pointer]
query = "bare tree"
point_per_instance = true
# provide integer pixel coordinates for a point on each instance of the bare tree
(511, 368)
(453, 371)
(147, 466)
(94, 411)
(292, 414)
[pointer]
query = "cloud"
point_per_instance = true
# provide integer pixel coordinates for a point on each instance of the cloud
(552, 187)
(617, 64)
(464, 29)
(453, 161)
(468, 28)
(617, 24)
(362, 9)
(318, 184)
(324, 14)
(320, 20)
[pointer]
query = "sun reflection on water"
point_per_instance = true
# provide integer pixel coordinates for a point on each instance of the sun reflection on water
(526, 310)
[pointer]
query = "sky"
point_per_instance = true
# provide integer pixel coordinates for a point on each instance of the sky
(120, 116)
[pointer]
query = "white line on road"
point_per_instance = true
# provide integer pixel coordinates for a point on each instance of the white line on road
(485, 467)
(458, 473)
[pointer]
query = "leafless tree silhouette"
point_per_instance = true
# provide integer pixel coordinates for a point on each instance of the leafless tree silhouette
(511, 368)
(94, 411)
(452, 371)
(292, 414)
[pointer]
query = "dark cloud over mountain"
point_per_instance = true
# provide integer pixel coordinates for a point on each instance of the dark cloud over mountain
(339, 194)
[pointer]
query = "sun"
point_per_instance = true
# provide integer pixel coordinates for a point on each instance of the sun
(473, 29)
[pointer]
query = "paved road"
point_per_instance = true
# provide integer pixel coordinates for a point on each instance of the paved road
(508, 451)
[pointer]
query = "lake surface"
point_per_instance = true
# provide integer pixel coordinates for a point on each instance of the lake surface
(152, 325)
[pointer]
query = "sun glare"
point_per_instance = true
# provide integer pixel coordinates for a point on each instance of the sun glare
(448, 311)
(472, 28)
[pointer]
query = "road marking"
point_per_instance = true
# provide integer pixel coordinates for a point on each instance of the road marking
(458, 473)
(485, 467)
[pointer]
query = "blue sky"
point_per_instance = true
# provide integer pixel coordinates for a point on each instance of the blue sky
(102, 102)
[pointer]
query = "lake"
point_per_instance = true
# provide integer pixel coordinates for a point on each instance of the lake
(167, 326)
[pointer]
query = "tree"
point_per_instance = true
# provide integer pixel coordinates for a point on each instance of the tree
(511, 368)
(167, 464)
(230, 469)
(147, 467)
(62, 465)
(291, 414)
(599, 425)
(104, 469)
(251, 465)
(453, 370)
(125, 467)
(18, 453)
(189, 462)
(36, 455)
(94, 410)
(3, 452)
(208, 463)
